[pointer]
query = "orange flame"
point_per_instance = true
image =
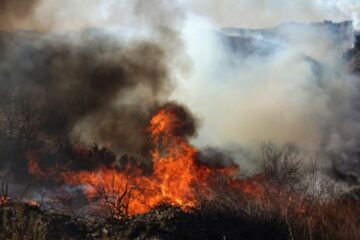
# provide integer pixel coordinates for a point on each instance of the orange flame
(175, 176)
(174, 172)
(4, 200)
(33, 167)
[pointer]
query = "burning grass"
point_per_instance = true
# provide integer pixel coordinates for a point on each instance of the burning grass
(227, 217)
(183, 197)
(177, 177)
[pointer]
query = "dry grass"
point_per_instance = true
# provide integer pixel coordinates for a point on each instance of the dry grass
(298, 204)
(17, 224)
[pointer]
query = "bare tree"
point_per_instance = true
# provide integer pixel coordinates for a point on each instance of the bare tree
(4, 196)
(116, 197)
(281, 166)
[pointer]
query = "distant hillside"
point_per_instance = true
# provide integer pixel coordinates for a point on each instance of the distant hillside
(343, 30)
(265, 41)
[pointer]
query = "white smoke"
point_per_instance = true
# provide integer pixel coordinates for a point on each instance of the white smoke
(269, 13)
(300, 91)
(75, 14)
(349, 8)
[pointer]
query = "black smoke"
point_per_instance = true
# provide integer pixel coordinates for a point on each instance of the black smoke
(58, 91)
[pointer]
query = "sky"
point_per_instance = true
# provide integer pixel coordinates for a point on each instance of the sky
(268, 13)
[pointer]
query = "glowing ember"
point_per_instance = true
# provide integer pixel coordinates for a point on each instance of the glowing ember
(4, 200)
(33, 166)
(32, 203)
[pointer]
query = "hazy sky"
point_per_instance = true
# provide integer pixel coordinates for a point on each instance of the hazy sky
(267, 13)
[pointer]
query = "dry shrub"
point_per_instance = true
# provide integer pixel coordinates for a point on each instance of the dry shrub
(20, 224)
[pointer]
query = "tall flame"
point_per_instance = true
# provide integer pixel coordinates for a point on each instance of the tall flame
(176, 178)
(174, 171)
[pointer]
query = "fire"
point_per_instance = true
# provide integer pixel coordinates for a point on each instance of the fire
(4, 197)
(32, 203)
(33, 166)
(177, 178)
(175, 168)
(4, 200)
(174, 172)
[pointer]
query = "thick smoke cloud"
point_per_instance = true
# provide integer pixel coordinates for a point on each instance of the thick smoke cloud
(75, 14)
(90, 81)
(61, 86)
(295, 85)
(13, 12)
(287, 84)
(92, 74)
(54, 15)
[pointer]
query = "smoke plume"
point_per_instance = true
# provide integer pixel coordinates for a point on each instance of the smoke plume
(61, 88)
(290, 83)
(13, 12)
(95, 71)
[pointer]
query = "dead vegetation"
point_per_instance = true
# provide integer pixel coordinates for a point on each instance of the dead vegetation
(298, 203)
(18, 223)
(115, 199)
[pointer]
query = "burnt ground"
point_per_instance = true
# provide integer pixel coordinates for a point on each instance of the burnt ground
(22, 221)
